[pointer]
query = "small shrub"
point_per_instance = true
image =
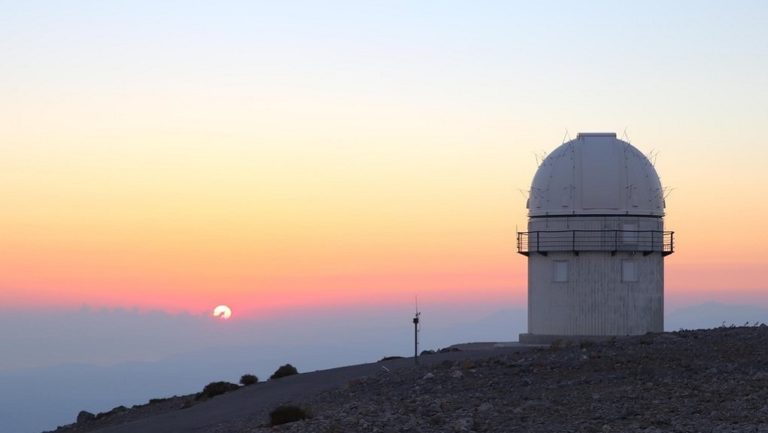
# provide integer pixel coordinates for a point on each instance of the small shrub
(427, 352)
(586, 344)
(85, 416)
(283, 371)
(160, 400)
(286, 414)
(112, 412)
(216, 388)
(248, 379)
(390, 358)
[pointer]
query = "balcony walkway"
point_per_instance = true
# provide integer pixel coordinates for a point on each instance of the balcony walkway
(576, 241)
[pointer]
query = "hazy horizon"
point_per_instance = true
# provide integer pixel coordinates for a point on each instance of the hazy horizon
(98, 358)
(106, 336)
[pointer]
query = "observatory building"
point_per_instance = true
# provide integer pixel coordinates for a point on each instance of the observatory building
(595, 242)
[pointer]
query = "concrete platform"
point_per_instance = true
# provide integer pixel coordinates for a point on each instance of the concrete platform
(539, 339)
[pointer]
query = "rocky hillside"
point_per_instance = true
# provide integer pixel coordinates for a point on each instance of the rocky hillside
(689, 381)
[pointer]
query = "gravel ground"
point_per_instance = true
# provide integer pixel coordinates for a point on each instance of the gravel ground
(689, 381)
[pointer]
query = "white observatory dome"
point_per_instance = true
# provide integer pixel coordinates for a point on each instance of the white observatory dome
(596, 174)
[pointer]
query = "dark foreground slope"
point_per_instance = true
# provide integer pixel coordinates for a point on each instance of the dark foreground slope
(697, 381)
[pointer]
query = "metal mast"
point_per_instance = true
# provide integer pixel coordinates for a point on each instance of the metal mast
(416, 336)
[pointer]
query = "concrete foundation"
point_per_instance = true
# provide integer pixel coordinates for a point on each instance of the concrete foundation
(546, 340)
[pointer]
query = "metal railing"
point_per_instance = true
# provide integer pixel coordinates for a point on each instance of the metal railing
(645, 241)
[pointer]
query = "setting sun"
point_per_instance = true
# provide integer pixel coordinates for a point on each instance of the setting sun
(223, 312)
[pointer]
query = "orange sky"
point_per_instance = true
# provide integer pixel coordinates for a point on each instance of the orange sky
(186, 228)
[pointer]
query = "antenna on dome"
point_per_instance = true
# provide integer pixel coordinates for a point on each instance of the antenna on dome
(652, 156)
(416, 331)
(566, 136)
(625, 136)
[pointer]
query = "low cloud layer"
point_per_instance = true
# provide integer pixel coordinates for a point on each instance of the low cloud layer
(55, 363)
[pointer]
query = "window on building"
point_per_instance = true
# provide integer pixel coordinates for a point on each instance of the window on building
(628, 271)
(629, 233)
(560, 271)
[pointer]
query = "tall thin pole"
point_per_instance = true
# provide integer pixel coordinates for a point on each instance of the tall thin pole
(416, 337)
(416, 332)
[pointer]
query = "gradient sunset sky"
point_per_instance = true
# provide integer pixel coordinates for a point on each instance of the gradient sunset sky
(289, 155)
